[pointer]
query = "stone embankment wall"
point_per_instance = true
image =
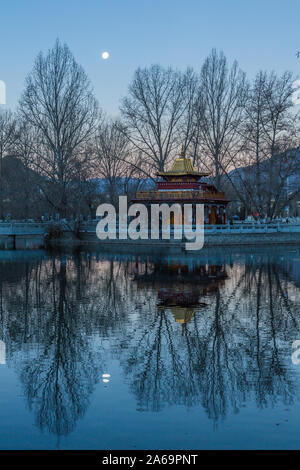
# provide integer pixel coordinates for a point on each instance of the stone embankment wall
(23, 236)
(282, 238)
(21, 242)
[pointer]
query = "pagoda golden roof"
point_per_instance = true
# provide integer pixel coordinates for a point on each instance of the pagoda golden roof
(182, 314)
(182, 166)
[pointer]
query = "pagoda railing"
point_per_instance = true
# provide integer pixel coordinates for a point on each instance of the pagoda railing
(167, 195)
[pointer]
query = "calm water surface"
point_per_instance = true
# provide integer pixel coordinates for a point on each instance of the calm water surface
(196, 350)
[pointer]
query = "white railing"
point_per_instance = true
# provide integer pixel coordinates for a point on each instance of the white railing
(26, 228)
(242, 227)
(253, 228)
(32, 228)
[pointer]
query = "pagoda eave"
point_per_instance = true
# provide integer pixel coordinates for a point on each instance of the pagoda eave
(173, 173)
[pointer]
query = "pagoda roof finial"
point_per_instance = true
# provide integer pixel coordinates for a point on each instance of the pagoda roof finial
(182, 166)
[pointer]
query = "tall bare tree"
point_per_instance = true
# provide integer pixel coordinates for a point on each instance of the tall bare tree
(7, 138)
(269, 158)
(222, 97)
(24, 148)
(115, 160)
(280, 135)
(153, 112)
(255, 123)
(247, 179)
(189, 129)
(58, 102)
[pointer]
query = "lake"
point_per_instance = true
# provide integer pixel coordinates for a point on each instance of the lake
(143, 350)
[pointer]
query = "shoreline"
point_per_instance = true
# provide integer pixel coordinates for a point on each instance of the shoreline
(26, 239)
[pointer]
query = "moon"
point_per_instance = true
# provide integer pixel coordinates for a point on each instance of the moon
(105, 55)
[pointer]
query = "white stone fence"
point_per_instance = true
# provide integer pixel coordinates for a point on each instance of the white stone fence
(242, 227)
(35, 228)
(253, 228)
(25, 228)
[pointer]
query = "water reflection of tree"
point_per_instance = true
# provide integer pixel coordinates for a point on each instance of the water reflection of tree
(54, 311)
(60, 368)
(58, 310)
(235, 349)
(59, 380)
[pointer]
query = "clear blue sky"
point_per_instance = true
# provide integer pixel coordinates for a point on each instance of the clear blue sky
(260, 34)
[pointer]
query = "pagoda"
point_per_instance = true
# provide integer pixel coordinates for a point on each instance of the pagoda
(181, 287)
(183, 185)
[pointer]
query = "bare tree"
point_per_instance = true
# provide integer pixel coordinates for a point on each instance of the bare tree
(115, 160)
(188, 129)
(256, 121)
(280, 132)
(58, 102)
(7, 138)
(269, 157)
(24, 149)
(221, 102)
(247, 179)
(153, 112)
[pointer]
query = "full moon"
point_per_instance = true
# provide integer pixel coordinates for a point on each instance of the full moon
(105, 55)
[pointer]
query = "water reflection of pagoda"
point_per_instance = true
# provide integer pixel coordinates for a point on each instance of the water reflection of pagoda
(180, 287)
(183, 185)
